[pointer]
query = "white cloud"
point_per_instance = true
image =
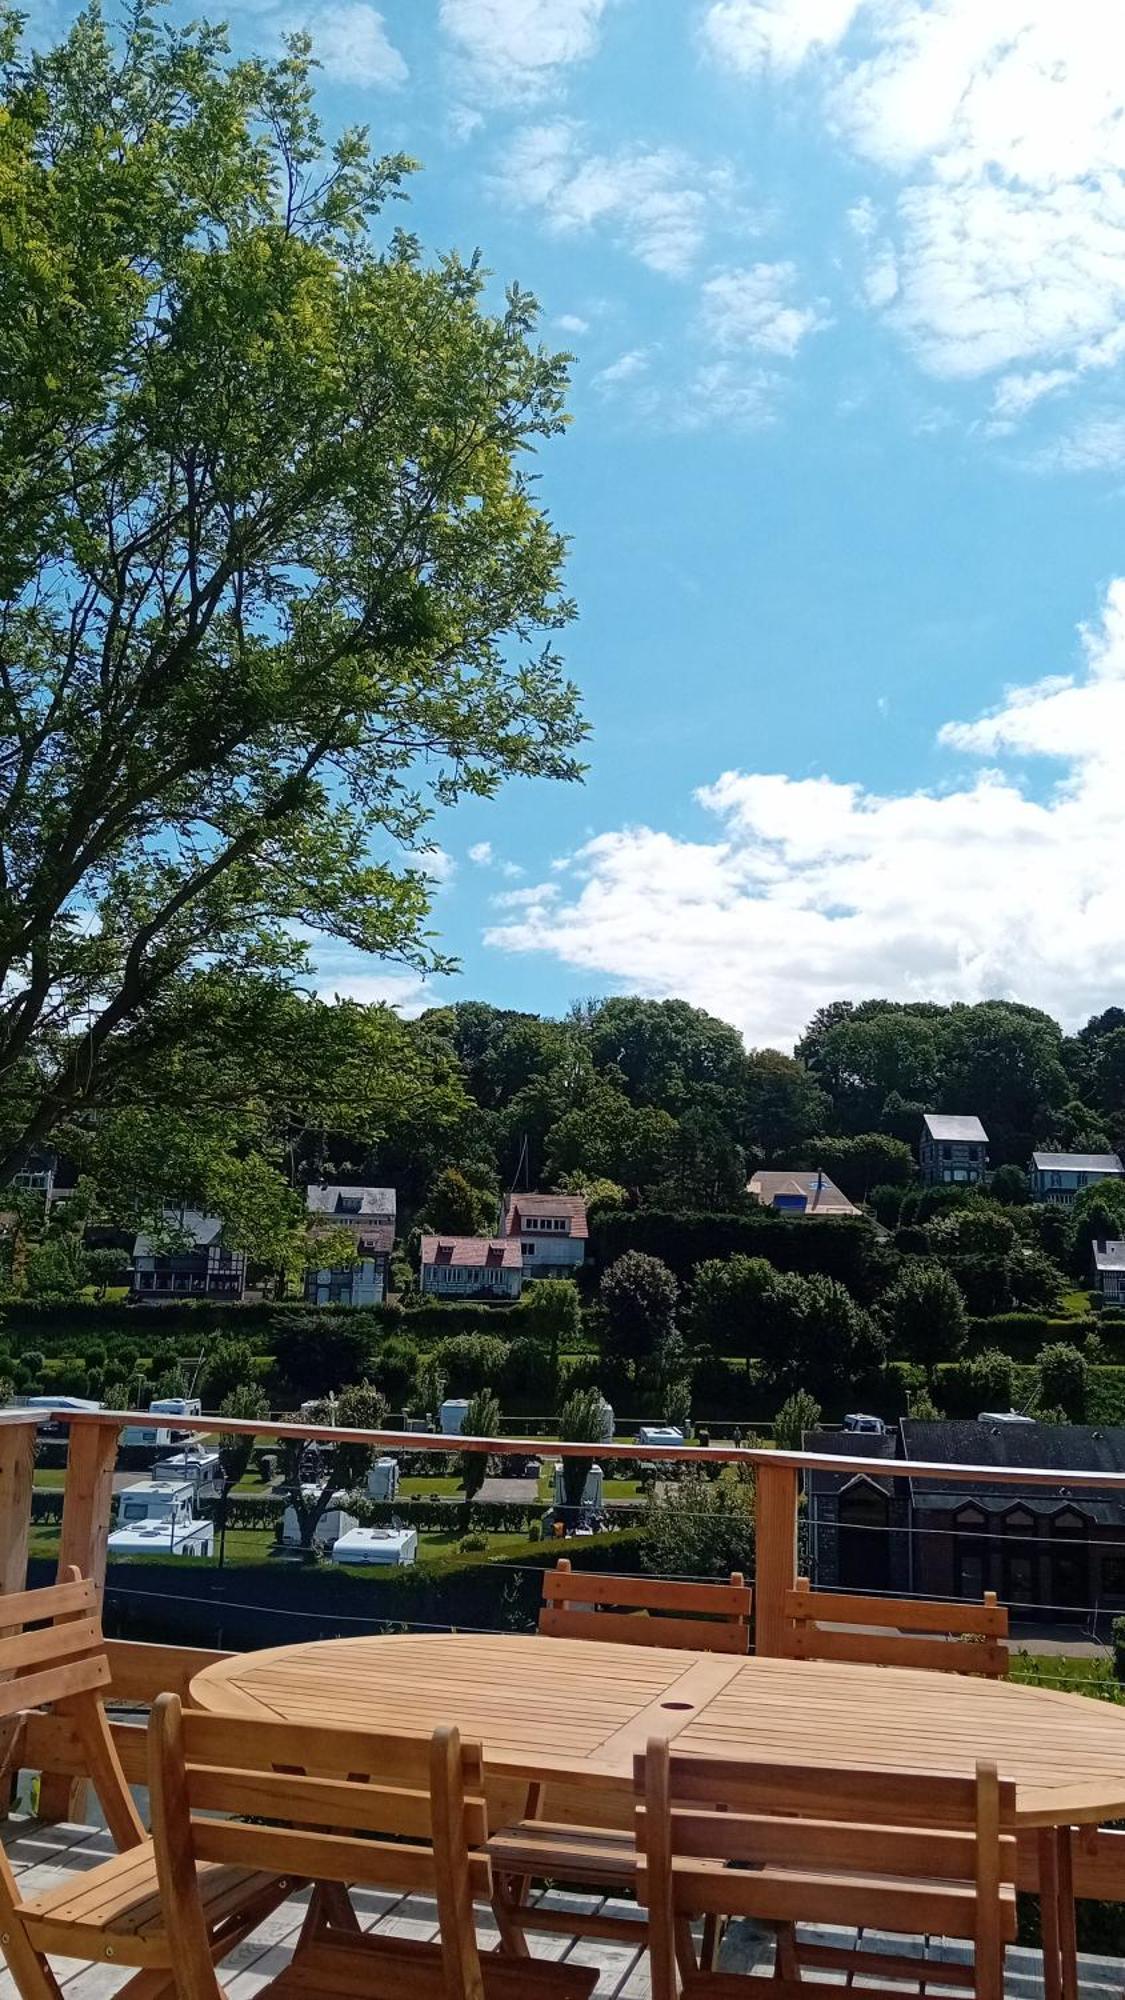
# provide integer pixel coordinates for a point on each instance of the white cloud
(1096, 444)
(535, 898)
(656, 201)
(814, 889)
(1014, 395)
(753, 309)
(1005, 121)
(481, 853)
(625, 369)
(751, 35)
(407, 992)
(351, 42)
(571, 323)
(515, 48)
(438, 866)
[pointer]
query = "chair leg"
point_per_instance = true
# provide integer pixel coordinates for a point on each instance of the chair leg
(686, 1959)
(32, 1974)
(786, 1964)
(513, 1891)
(713, 1928)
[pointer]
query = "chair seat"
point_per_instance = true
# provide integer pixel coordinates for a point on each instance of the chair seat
(114, 1912)
(376, 1968)
(541, 1847)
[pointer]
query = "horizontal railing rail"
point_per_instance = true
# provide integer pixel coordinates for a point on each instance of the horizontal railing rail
(93, 1439)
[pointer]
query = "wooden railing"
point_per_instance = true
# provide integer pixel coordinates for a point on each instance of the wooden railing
(88, 1497)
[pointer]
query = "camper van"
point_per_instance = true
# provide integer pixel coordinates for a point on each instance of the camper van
(158, 1517)
(334, 1522)
(47, 1407)
(194, 1462)
(141, 1444)
(390, 1548)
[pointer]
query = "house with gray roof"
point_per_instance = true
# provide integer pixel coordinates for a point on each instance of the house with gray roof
(367, 1215)
(953, 1150)
(187, 1258)
(1109, 1269)
(1058, 1177)
(792, 1191)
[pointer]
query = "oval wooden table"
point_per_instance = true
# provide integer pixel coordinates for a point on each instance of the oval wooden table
(578, 1710)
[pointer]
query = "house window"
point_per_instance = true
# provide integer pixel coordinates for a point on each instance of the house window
(1019, 1556)
(528, 1249)
(1113, 1576)
(947, 1152)
(970, 1552)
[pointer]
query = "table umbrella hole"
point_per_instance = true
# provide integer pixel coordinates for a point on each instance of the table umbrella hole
(677, 1704)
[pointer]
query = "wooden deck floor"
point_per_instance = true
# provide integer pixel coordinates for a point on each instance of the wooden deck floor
(45, 1856)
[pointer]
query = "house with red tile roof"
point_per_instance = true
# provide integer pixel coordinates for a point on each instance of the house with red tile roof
(552, 1232)
(469, 1267)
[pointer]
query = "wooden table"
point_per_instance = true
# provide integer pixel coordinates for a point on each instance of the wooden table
(579, 1710)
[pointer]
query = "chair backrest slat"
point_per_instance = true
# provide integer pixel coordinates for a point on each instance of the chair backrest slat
(328, 1794)
(702, 1617)
(60, 1664)
(56, 1683)
(898, 1851)
(899, 1632)
(58, 1600)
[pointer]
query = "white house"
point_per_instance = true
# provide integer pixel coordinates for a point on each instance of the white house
(552, 1232)
(466, 1267)
(367, 1215)
(952, 1149)
(1109, 1269)
(1058, 1177)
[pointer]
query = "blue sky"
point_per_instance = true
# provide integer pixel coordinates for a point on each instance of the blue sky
(844, 281)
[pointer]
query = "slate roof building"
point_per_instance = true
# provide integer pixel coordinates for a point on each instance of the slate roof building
(1058, 1177)
(201, 1267)
(368, 1216)
(952, 1149)
(1051, 1552)
(1109, 1269)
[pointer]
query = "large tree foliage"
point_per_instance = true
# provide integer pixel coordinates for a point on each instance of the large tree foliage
(273, 580)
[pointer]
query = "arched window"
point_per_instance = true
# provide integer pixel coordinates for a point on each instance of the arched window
(1070, 1559)
(1019, 1530)
(970, 1552)
(863, 1514)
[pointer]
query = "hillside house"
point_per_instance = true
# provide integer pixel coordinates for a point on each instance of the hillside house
(368, 1216)
(1109, 1270)
(952, 1149)
(199, 1267)
(552, 1232)
(472, 1267)
(796, 1193)
(1058, 1177)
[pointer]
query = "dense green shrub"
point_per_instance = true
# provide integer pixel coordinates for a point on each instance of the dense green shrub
(848, 1249)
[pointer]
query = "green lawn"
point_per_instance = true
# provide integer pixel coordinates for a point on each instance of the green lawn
(1075, 1304)
(1093, 1677)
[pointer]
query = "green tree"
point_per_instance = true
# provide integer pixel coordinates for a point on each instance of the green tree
(102, 1267)
(57, 1268)
(275, 581)
(359, 1407)
(608, 1138)
(482, 1419)
(463, 1201)
(700, 1527)
(471, 1361)
(818, 1337)
(638, 1297)
(667, 1053)
(727, 1298)
(1009, 1185)
(781, 1105)
(798, 1414)
(581, 1421)
(229, 1365)
(236, 1448)
(924, 1311)
(862, 1163)
(1063, 1378)
(430, 1381)
(553, 1313)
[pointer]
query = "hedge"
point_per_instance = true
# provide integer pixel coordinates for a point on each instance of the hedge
(269, 1604)
(1024, 1333)
(835, 1247)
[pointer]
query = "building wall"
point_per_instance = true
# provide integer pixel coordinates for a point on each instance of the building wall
(1112, 1284)
(959, 1161)
(546, 1255)
(1061, 1187)
(1041, 1566)
(466, 1281)
(363, 1284)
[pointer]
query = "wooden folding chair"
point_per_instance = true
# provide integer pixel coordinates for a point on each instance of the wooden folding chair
(109, 1914)
(342, 1807)
(955, 1638)
(895, 1851)
(630, 1610)
(646, 1611)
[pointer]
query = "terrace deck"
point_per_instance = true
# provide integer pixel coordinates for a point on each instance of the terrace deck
(45, 1855)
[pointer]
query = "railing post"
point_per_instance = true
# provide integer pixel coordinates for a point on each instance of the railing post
(87, 1509)
(775, 1544)
(17, 1476)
